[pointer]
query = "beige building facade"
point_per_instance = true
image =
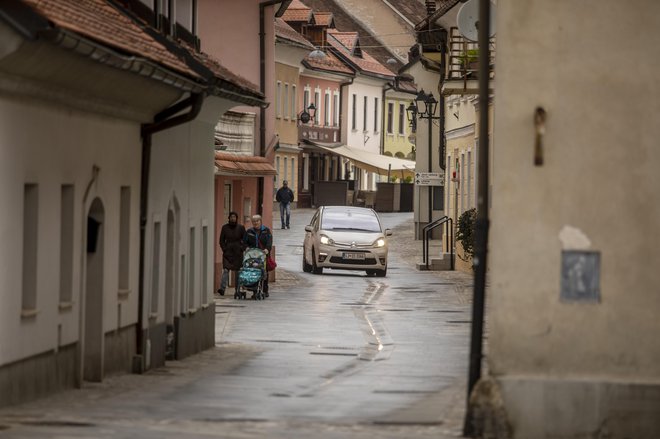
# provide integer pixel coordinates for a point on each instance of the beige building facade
(574, 303)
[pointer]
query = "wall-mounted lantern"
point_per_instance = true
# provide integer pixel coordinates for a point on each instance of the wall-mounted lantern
(308, 113)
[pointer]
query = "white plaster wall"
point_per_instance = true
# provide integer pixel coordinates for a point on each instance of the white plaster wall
(182, 166)
(600, 176)
(428, 81)
(356, 138)
(50, 145)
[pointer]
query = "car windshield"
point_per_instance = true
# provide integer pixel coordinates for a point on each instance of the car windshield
(350, 220)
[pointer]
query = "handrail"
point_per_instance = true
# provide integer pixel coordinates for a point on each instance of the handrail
(432, 225)
(449, 233)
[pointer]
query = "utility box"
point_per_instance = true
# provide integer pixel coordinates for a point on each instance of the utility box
(330, 193)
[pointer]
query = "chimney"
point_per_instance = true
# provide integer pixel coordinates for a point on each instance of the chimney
(430, 7)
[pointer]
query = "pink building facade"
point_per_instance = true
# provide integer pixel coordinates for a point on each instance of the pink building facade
(231, 30)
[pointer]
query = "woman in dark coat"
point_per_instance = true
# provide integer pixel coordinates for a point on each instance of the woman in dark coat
(232, 245)
(259, 236)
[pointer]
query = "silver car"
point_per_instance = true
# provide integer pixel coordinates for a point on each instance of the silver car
(349, 238)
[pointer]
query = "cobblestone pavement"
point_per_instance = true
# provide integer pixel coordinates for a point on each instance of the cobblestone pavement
(340, 355)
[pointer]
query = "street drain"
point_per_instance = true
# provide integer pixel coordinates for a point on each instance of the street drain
(345, 354)
(231, 420)
(55, 423)
(459, 321)
(276, 341)
(402, 392)
(446, 310)
(396, 310)
(408, 423)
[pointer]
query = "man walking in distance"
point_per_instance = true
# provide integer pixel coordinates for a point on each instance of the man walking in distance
(231, 243)
(285, 197)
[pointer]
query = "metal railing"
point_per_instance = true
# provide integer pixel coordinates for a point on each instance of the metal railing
(448, 239)
(463, 63)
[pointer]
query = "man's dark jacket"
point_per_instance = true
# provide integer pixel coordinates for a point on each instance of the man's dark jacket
(284, 195)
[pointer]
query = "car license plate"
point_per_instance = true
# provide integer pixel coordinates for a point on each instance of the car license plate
(353, 256)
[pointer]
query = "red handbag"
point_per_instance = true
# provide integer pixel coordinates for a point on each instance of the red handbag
(270, 263)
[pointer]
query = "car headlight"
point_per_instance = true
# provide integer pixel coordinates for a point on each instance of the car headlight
(380, 242)
(327, 241)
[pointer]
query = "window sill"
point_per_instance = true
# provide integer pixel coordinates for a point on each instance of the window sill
(153, 315)
(206, 305)
(66, 306)
(191, 311)
(123, 294)
(29, 313)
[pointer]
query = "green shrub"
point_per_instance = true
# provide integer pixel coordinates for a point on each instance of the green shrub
(465, 233)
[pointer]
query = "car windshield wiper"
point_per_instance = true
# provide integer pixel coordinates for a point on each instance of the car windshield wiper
(354, 228)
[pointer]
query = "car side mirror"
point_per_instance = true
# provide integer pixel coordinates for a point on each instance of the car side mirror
(309, 229)
(388, 232)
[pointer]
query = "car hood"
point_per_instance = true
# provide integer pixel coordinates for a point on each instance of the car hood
(347, 237)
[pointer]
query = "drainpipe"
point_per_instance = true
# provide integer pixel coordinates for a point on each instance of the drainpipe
(262, 88)
(388, 86)
(162, 121)
(341, 113)
(443, 139)
(483, 221)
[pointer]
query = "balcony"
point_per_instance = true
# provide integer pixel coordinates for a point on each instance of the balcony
(463, 62)
(326, 134)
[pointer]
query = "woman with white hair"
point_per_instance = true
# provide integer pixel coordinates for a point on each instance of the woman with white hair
(259, 236)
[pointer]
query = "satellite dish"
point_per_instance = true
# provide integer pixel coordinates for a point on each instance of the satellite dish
(468, 20)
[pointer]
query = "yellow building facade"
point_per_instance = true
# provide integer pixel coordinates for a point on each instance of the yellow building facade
(396, 129)
(286, 126)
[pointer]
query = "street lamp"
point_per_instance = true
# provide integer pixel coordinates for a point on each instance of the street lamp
(308, 113)
(424, 107)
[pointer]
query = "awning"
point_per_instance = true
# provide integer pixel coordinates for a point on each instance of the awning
(369, 161)
(239, 165)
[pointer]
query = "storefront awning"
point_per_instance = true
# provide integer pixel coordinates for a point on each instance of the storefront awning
(239, 165)
(369, 161)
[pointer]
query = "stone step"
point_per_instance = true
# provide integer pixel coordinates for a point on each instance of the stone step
(442, 263)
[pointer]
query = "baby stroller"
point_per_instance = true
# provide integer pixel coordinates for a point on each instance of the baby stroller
(252, 274)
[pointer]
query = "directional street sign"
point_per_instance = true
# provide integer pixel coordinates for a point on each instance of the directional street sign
(429, 179)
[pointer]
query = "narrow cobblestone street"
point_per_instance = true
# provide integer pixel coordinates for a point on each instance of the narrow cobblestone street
(332, 355)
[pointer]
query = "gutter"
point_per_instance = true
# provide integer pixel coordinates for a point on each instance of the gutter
(262, 85)
(341, 102)
(162, 121)
(441, 128)
(388, 86)
(141, 66)
(483, 219)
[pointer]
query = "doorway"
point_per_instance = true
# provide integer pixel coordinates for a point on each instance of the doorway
(93, 335)
(170, 283)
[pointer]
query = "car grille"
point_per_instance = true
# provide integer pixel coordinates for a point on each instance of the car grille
(339, 260)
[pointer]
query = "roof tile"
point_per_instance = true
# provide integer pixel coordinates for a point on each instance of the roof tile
(297, 11)
(286, 32)
(330, 64)
(238, 164)
(345, 42)
(100, 21)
